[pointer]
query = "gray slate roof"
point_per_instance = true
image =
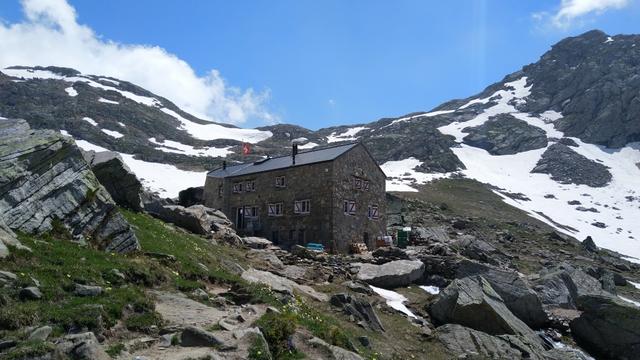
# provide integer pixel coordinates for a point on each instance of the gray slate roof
(303, 158)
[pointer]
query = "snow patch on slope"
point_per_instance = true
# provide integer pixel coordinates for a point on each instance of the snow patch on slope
(408, 118)
(347, 135)
(112, 133)
(175, 147)
(90, 121)
(103, 100)
(214, 131)
(402, 175)
(71, 91)
(394, 300)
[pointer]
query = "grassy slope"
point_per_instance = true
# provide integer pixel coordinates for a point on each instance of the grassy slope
(58, 264)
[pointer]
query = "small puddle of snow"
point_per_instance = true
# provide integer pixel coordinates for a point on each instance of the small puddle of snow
(394, 300)
(433, 290)
(629, 300)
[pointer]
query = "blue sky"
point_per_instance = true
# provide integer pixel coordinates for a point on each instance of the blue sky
(323, 63)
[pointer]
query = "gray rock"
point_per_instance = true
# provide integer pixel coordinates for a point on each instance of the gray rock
(434, 233)
(7, 277)
(358, 287)
(607, 327)
(392, 274)
(30, 293)
(87, 290)
(504, 134)
(464, 342)
(8, 238)
(121, 183)
(200, 294)
(198, 219)
(358, 308)
(568, 167)
(256, 242)
(265, 259)
(7, 344)
(589, 245)
(336, 353)
(41, 333)
(480, 250)
(193, 336)
(472, 302)
(83, 346)
(45, 181)
(390, 252)
(191, 196)
(562, 285)
(513, 289)
(253, 337)
(281, 284)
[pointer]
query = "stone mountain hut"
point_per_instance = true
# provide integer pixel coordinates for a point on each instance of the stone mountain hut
(334, 196)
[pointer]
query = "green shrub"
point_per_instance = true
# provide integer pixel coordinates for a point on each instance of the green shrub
(115, 349)
(277, 328)
(143, 322)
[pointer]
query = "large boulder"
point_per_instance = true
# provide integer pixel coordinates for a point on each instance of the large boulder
(514, 290)
(472, 302)
(358, 308)
(45, 183)
(464, 342)
(561, 286)
(8, 238)
(480, 250)
(82, 346)
(191, 196)
(392, 274)
(195, 336)
(504, 134)
(198, 219)
(608, 327)
(282, 284)
(121, 183)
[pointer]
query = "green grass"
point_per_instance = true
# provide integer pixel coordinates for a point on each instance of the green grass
(115, 349)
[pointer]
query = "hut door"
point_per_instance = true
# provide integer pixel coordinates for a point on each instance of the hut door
(366, 239)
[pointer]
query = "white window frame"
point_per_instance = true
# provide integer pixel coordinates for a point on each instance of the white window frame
(374, 212)
(237, 187)
(349, 207)
(253, 210)
(275, 209)
(357, 183)
(281, 181)
(365, 185)
(302, 207)
(250, 185)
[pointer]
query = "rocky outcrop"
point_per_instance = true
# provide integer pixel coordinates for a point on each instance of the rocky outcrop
(568, 167)
(480, 250)
(392, 274)
(198, 219)
(46, 184)
(191, 196)
(504, 134)
(464, 342)
(281, 284)
(8, 238)
(359, 309)
(562, 285)
(472, 302)
(121, 183)
(521, 300)
(83, 346)
(608, 327)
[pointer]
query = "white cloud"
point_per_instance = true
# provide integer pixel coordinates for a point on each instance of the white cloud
(51, 35)
(570, 11)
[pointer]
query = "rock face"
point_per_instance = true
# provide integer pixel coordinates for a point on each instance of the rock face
(568, 167)
(561, 286)
(472, 302)
(360, 309)
(504, 134)
(392, 274)
(465, 342)
(514, 291)
(83, 346)
(45, 182)
(121, 183)
(608, 327)
(194, 336)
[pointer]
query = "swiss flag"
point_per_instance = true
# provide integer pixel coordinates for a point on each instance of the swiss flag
(246, 149)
